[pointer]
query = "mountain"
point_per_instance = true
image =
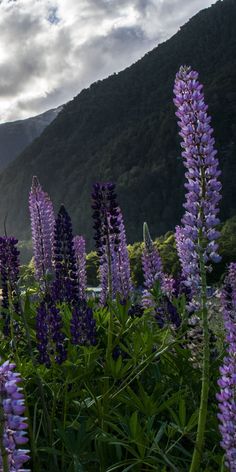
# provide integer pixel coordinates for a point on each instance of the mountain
(124, 129)
(15, 136)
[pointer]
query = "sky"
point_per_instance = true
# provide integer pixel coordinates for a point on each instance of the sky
(51, 49)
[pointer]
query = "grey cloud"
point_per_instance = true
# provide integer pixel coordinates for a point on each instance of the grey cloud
(47, 60)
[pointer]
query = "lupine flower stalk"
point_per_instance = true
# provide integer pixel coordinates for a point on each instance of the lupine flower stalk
(152, 268)
(107, 232)
(66, 285)
(198, 236)
(42, 225)
(49, 334)
(9, 270)
(12, 422)
(123, 263)
(80, 255)
(227, 382)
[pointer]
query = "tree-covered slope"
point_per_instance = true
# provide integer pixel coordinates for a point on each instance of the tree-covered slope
(124, 129)
(15, 136)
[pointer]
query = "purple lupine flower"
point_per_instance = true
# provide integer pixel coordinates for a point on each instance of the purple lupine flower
(152, 268)
(42, 225)
(83, 325)
(80, 254)
(227, 381)
(197, 238)
(66, 285)
(49, 334)
(107, 235)
(9, 270)
(105, 216)
(13, 423)
(122, 268)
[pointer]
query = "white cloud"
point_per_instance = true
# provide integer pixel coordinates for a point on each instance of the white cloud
(51, 49)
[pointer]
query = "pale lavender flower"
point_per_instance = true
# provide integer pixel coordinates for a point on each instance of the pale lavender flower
(13, 423)
(42, 227)
(227, 381)
(122, 265)
(80, 255)
(198, 236)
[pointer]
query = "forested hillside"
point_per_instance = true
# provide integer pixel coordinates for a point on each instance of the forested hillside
(124, 129)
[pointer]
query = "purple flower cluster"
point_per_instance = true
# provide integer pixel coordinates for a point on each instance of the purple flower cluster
(83, 325)
(50, 337)
(66, 286)
(108, 224)
(13, 424)
(120, 267)
(227, 382)
(80, 255)
(105, 215)
(9, 270)
(42, 225)
(197, 238)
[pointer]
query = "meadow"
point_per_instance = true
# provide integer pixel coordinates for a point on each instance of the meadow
(126, 378)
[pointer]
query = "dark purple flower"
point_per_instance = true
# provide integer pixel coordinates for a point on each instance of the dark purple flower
(136, 310)
(83, 325)
(42, 225)
(80, 255)
(227, 381)
(13, 423)
(197, 238)
(107, 236)
(105, 215)
(9, 270)
(49, 334)
(66, 285)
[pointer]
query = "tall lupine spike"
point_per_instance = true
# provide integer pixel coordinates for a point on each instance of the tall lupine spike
(80, 254)
(49, 334)
(66, 285)
(42, 226)
(122, 268)
(203, 186)
(106, 225)
(9, 270)
(197, 239)
(13, 424)
(227, 381)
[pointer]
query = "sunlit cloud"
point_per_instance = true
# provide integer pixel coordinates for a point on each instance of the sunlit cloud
(51, 49)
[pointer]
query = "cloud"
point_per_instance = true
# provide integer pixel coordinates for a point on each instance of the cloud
(51, 49)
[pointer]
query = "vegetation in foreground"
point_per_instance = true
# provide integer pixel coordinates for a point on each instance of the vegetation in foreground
(126, 380)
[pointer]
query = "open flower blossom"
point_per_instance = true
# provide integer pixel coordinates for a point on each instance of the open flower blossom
(197, 237)
(13, 424)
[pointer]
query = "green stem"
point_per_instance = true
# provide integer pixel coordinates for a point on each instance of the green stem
(198, 449)
(39, 382)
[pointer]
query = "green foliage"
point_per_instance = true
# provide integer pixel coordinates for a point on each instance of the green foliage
(99, 412)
